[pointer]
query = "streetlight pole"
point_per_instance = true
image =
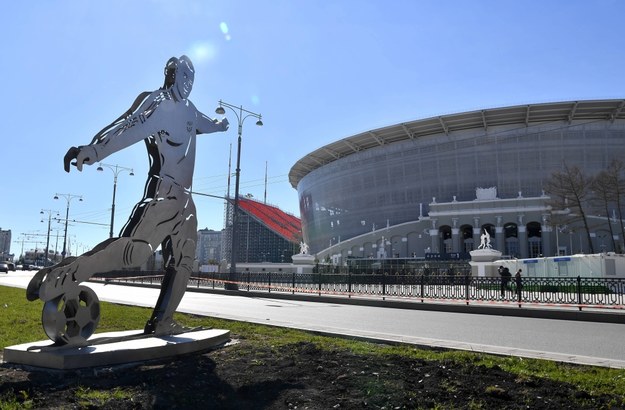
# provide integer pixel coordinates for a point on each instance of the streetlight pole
(241, 115)
(49, 211)
(116, 171)
(68, 198)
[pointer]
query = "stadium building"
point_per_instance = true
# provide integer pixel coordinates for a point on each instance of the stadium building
(430, 187)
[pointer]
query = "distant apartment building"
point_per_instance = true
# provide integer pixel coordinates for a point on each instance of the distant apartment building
(5, 244)
(37, 257)
(208, 246)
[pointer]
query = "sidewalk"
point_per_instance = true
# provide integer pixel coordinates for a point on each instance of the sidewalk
(502, 308)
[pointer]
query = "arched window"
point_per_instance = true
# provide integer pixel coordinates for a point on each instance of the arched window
(466, 237)
(511, 238)
(444, 233)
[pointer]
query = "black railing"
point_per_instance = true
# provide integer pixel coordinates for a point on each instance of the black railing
(573, 291)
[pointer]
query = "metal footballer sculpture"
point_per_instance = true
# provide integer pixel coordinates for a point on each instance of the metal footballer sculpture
(168, 123)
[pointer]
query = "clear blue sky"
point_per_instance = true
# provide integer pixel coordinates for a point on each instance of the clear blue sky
(317, 71)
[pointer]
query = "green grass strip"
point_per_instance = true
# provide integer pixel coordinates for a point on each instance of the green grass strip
(20, 323)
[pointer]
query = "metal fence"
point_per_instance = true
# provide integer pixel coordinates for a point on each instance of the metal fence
(579, 292)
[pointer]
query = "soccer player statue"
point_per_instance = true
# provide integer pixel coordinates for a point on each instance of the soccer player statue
(168, 123)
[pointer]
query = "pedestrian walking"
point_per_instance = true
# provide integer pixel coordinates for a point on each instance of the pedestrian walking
(506, 276)
(519, 283)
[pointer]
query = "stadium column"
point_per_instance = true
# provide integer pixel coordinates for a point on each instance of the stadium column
(500, 240)
(455, 239)
(476, 236)
(545, 236)
(477, 230)
(500, 236)
(434, 241)
(522, 232)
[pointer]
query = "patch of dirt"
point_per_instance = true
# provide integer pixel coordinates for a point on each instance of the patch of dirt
(298, 376)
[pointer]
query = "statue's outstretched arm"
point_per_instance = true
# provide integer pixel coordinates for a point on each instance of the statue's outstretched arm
(129, 112)
(130, 128)
(206, 125)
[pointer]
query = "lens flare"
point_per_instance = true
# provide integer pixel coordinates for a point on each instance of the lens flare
(202, 52)
(224, 29)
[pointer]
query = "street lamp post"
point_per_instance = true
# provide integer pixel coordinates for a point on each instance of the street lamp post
(68, 198)
(241, 115)
(116, 171)
(49, 211)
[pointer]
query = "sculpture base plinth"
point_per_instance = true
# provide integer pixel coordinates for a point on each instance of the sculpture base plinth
(482, 261)
(114, 348)
(303, 259)
(485, 255)
(303, 262)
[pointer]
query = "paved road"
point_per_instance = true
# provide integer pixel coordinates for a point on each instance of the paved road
(561, 340)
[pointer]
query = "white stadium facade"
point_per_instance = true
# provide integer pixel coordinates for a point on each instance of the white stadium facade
(430, 187)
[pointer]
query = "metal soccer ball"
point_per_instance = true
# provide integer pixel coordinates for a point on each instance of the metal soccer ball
(73, 317)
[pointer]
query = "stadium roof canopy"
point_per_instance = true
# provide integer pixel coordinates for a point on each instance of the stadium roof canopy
(444, 124)
(283, 224)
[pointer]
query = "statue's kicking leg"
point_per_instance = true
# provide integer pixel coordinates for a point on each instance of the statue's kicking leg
(32, 291)
(150, 223)
(113, 254)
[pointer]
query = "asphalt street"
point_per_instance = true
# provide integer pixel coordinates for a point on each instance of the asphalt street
(580, 342)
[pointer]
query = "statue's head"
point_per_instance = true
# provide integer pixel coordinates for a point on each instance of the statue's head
(179, 76)
(170, 72)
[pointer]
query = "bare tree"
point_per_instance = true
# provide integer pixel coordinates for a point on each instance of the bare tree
(615, 180)
(570, 192)
(603, 197)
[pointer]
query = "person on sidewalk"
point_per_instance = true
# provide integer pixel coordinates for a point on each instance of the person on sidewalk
(506, 276)
(519, 283)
